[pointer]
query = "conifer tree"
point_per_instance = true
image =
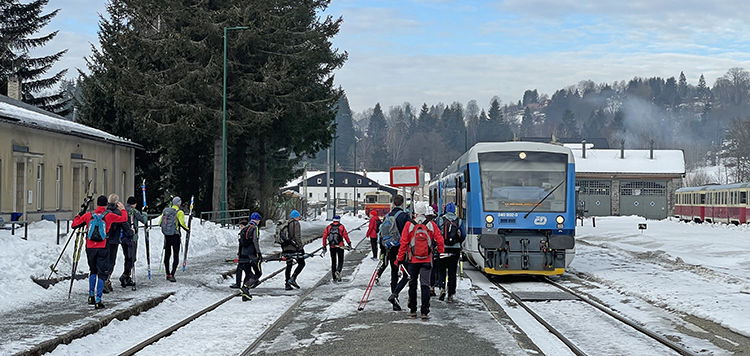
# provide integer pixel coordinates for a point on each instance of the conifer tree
(377, 132)
(18, 24)
(527, 123)
(568, 127)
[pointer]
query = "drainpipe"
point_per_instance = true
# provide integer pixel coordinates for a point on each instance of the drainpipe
(622, 149)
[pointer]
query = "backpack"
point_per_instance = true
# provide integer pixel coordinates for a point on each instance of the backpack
(97, 227)
(389, 235)
(451, 232)
(283, 237)
(420, 246)
(168, 221)
(334, 235)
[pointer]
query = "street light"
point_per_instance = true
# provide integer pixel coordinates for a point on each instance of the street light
(224, 127)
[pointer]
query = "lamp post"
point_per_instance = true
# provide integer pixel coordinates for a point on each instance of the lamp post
(224, 127)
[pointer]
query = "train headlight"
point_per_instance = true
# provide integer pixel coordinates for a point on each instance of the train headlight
(489, 219)
(522, 155)
(560, 219)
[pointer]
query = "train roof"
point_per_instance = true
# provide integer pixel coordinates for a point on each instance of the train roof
(473, 153)
(711, 187)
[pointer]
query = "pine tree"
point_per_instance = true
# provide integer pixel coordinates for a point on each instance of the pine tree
(18, 22)
(702, 88)
(376, 133)
(493, 128)
(682, 86)
(568, 127)
(527, 124)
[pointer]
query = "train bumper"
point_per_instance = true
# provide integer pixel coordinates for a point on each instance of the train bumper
(524, 252)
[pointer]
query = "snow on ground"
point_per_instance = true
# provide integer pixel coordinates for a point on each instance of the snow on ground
(695, 269)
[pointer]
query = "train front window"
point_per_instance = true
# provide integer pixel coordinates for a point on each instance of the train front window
(515, 182)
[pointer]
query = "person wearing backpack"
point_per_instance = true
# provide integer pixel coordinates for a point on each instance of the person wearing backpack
(114, 237)
(171, 220)
(451, 228)
(372, 232)
(98, 223)
(250, 256)
(333, 238)
(238, 273)
(416, 249)
(390, 237)
(293, 245)
(129, 241)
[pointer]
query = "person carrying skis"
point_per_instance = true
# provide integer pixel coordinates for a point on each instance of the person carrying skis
(97, 251)
(250, 256)
(238, 273)
(400, 218)
(129, 241)
(333, 237)
(450, 226)
(114, 235)
(372, 232)
(295, 246)
(416, 239)
(171, 220)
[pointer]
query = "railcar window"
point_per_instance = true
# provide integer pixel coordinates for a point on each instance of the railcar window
(510, 183)
(703, 199)
(743, 197)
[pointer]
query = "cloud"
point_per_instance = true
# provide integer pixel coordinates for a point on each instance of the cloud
(395, 79)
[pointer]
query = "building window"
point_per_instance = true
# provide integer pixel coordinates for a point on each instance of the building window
(310, 195)
(346, 181)
(105, 185)
(39, 186)
(320, 181)
(58, 188)
(359, 195)
(359, 181)
(95, 182)
(331, 181)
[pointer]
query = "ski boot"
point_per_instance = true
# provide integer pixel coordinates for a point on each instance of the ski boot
(394, 300)
(293, 282)
(107, 286)
(92, 300)
(99, 305)
(245, 293)
(124, 281)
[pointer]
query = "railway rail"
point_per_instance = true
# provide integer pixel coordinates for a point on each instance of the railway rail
(168, 331)
(579, 297)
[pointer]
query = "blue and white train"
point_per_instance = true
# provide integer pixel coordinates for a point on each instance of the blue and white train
(517, 200)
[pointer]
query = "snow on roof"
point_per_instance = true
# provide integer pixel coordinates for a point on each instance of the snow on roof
(382, 178)
(13, 110)
(635, 161)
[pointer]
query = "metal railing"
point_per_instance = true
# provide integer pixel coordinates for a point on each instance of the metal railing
(225, 217)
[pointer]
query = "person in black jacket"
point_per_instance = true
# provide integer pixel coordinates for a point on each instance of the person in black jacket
(296, 247)
(396, 286)
(113, 238)
(238, 273)
(250, 256)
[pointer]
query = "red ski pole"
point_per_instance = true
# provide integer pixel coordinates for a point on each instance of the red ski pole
(368, 290)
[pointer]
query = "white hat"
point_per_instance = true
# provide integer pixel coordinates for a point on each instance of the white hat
(430, 211)
(420, 208)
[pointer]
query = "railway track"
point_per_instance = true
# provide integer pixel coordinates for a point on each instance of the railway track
(527, 299)
(168, 331)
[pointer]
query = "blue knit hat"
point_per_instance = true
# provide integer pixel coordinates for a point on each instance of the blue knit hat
(255, 216)
(294, 214)
(451, 208)
(336, 218)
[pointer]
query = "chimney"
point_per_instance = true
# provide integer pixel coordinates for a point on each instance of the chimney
(14, 87)
(622, 149)
(651, 154)
(583, 146)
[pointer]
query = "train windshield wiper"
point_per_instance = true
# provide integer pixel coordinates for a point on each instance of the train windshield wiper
(543, 199)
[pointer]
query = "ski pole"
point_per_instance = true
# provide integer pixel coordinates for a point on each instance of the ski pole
(54, 266)
(368, 290)
(132, 272)
(187, 235)
(76, 257)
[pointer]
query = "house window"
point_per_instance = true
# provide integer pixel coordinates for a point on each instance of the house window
(123, 181)
(39, 186)
(94, 184)
(320, 181)
(105, 184)
(346, 181)
(359, 181)
(331, 181)
(58, 188)
(310, 195)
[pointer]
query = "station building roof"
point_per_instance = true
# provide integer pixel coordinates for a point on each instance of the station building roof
(612, 161)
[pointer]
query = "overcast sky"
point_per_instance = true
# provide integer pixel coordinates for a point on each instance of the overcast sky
(444, 51)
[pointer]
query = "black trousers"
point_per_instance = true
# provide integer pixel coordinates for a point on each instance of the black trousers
(128, 251)
(98, 259)
(374, 245)
(448, 267)
(420, 273)
(391, 256)
(337, 260)
(252, 271)
(289, 264)
(171, 246)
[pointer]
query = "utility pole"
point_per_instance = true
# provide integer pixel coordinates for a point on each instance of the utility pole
(329, 211)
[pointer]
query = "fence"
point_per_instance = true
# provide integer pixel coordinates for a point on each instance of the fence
(225, 217)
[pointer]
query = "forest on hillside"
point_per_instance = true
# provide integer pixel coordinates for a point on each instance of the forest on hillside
(709, 123)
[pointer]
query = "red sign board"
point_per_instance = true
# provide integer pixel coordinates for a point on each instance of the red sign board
(405, 176)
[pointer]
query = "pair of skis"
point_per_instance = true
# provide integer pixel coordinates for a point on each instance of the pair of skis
(368, 290)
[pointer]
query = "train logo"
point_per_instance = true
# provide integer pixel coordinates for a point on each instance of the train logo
(540, 220)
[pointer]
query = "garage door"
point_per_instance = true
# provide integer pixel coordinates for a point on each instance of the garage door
(595, 197)
(644, 198)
